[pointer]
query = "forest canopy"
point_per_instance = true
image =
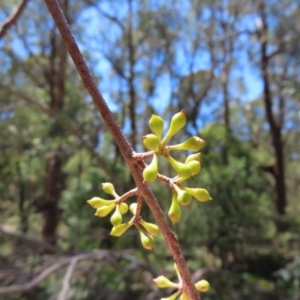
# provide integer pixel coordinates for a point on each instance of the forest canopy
(232, 66)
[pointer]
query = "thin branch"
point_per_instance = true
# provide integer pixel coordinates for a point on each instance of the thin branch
(139, 207)
(143, 155)
(66, 283)
(97, 255)
(124, 147)
(32, 240)
(11, 107)
(127, 195)
(12, 18)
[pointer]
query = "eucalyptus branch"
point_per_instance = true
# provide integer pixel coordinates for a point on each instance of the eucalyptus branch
(139, 206)
(124, 146)
(127, 195)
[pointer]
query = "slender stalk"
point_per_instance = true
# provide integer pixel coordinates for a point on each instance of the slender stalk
(124, 147)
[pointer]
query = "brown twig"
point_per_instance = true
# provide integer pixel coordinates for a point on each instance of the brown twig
(12, 18)
(63, 294)
(124, 147)
(127, 195)
(139, 207)
(31, 240)
(143, 155)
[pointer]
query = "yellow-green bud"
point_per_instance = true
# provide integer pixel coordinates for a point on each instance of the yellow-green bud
(123, 208)
(192, 157)
(151, 141)
(105, 210)
(194, 143)
(183, 197)
(116, 218)
(164, 282)
(173, 297)
(184, 296)
(120, 229)
(151, 171)
(147, 241)
(195, 166)
(200, 194)
(132, 208)
(156, 124)
(178, 121)
(202, 286)
(177, 271)
(152, 229)
(97, 202)
(175, 210)
(181, 169)
(108, 188)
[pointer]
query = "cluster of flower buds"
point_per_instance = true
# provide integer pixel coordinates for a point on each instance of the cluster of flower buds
(180, 195)
(156, 143)
(103, 207)
(164, 282)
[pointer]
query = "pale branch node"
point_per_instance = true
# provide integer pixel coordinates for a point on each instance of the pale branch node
(124, 147)
(142, 155)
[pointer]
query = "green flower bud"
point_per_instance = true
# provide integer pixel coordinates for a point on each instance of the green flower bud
(183, 197)
(120, 229)
(97, 202)
(151, 141)
(184, 296)
(192, 157)
(156, 124)
(173, 297)
(194, 143)
(195, 166)
(147, 241)
(108, 188)
(152, 229)
(164, 282)
(177, 271)
(178, 121)
(123, 208)
(175, 210)
(202, 286)
(132, 208)
(116, 218)
(151, 171)
(181, 169)
(105, 210)
(200, 194)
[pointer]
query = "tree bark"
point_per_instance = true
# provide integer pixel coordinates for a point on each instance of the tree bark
(275, 126)
(54, 182)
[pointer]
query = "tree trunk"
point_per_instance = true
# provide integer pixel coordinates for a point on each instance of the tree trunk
(275, 127)
(54, 181)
